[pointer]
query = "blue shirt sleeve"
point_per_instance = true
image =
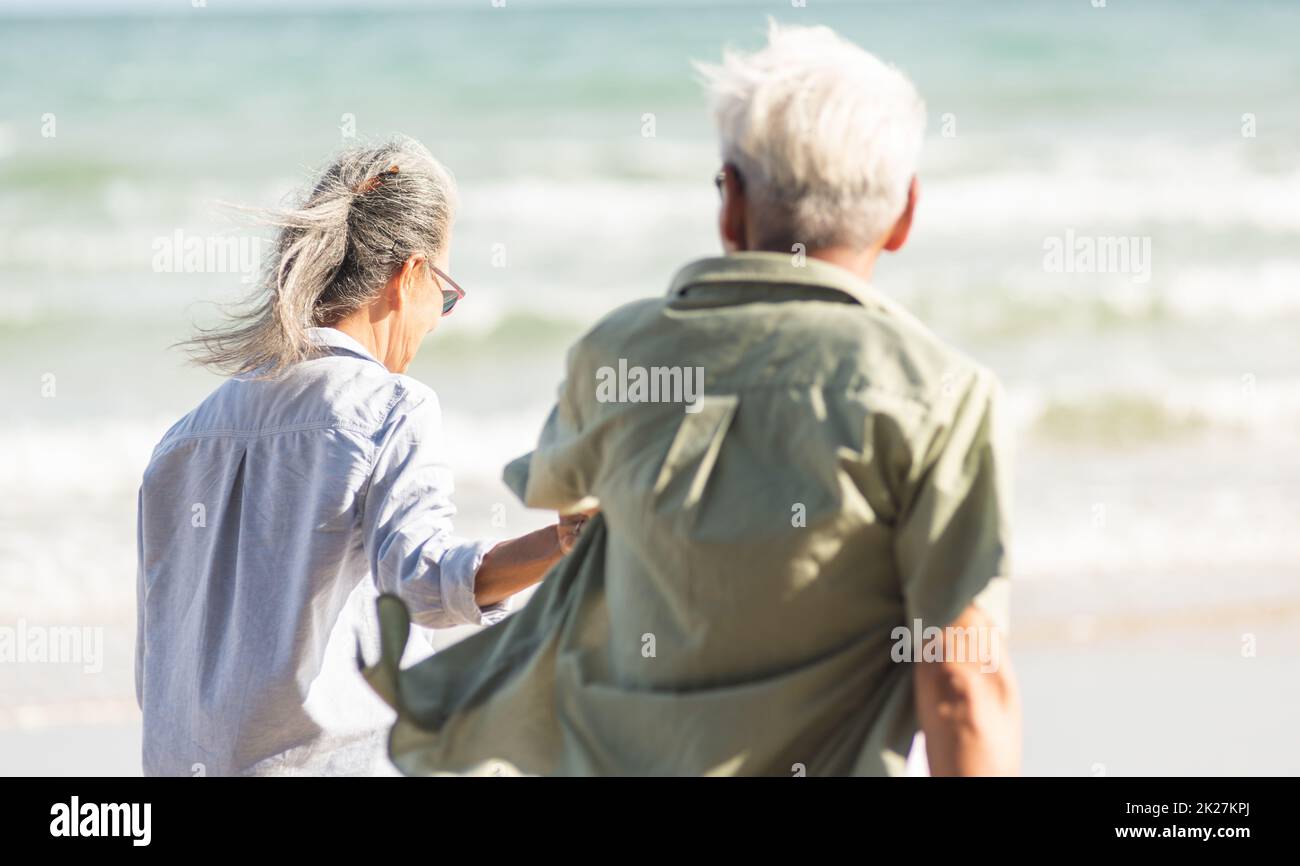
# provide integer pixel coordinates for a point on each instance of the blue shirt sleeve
(407, 522)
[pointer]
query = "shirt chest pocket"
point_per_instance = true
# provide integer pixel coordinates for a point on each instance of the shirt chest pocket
(693, 453)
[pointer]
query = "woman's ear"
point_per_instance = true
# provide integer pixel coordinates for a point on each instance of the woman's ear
(898, 234)
(404, 286)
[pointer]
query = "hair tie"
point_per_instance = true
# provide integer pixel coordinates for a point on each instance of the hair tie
(369, 184)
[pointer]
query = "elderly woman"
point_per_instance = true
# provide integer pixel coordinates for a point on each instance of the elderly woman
(314, 479)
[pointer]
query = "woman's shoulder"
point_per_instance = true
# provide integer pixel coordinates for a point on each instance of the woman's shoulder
(374, 399)
(412, 395)
(360, 398)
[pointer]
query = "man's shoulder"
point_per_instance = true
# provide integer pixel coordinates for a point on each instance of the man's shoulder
(874, 349)
(616, 333)
(893, 349)
(626, 320)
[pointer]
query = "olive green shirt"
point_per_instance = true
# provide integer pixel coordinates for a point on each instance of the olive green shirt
(733, 608)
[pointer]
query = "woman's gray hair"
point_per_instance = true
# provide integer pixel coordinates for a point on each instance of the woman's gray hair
(372, 209)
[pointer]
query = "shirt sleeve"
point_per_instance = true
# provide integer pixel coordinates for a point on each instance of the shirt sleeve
(139, 599)
(952, 537)
(558, 474)
(407, 524)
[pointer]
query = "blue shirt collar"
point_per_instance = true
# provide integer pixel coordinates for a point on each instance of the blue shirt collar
(333, 338)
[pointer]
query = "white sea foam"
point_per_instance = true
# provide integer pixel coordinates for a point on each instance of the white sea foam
(1003, 200)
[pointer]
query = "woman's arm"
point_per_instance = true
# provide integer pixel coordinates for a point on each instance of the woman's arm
(517, 564)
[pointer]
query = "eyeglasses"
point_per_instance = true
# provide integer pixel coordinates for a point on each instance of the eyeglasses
(450, 297)
(720, 179)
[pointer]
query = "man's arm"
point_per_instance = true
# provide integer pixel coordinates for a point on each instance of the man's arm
(970, 709)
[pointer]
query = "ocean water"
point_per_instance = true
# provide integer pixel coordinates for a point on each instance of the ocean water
(1156, 410)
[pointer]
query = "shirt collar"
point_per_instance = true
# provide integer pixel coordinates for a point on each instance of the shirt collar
(775, 269)
(333, 338)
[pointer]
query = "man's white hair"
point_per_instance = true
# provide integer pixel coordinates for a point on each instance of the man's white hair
(825, 137)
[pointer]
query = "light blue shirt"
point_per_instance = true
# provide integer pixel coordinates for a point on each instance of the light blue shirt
(270, 518)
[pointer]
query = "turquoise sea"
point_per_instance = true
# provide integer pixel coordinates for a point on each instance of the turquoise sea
(1156, 412)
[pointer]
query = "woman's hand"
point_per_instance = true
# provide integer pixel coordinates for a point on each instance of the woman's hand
(519, 563)
(570, 527)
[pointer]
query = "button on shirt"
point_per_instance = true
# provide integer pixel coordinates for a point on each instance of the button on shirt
(270, 518)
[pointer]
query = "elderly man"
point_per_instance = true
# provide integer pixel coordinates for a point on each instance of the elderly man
(800, 555)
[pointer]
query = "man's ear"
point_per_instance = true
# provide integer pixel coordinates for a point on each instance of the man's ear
(731, 215)
(898, 234)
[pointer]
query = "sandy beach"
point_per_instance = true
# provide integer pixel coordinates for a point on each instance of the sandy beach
(1146, 693)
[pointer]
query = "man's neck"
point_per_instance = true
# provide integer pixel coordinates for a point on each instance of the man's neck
(858, 262)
